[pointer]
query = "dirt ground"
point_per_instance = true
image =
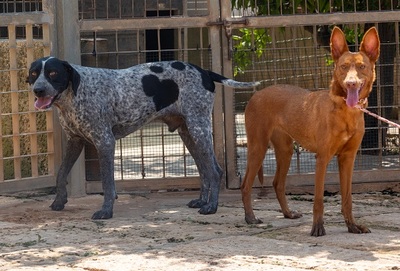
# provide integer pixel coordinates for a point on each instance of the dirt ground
(158, 232)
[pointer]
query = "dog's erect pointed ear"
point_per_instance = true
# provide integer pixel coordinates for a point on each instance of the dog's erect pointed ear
(74, 76)
(370, 44)
(338, 43)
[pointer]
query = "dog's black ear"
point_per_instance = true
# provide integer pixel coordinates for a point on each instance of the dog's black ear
(74, 76)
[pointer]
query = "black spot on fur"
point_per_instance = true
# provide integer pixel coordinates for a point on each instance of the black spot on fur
(206, 80)
(164, 92)
(156, 69)
(178, 65)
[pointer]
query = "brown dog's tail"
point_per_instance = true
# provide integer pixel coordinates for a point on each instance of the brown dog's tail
(230, 82)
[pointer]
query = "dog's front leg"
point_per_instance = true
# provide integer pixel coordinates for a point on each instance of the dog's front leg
(346, 166)
(318, 209)
(105, 151)
(72, 152)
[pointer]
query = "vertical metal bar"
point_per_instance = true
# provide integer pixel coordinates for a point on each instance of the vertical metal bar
(184, 8)
(379, 109)
(121, 159)
(107, 14)
(138, 46)
(397, 74)
(273, 39)
(184, 160)
(120, 9)
(201, 47)
(316, 63)
(94, 9)
(181, 40)
(117, 48)
(162, 126)
(142, 153)
(159, 44)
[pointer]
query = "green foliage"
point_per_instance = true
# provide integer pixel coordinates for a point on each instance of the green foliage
(250, 42)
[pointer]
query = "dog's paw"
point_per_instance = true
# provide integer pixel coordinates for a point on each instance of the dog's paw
(318, 230)
(253, 220)
(208, 209)
(293, 215)
(58, 204)
(353, 228)
(196, 203)
(103, 214)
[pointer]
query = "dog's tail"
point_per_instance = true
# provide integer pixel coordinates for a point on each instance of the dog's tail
(230, 82)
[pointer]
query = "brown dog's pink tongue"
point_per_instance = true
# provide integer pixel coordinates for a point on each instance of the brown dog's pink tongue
(352, 98)
(43, 102)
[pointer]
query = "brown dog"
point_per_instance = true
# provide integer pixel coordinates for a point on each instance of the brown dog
(327, 123)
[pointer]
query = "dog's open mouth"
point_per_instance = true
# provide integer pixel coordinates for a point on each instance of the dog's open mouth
(43, 103)
(352, 97)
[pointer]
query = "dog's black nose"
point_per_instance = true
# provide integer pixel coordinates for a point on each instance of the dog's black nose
(39, 92)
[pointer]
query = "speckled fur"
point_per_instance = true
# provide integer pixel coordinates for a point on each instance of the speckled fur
(103, 105)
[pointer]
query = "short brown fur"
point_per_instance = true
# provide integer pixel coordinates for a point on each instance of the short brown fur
(327, 123)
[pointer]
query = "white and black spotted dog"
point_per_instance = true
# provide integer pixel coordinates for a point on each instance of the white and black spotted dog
(102, 105)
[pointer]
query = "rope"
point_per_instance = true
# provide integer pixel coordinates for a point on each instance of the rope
(379, 117)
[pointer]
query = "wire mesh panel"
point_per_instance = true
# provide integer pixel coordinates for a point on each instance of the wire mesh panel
(300, 55)
(13, 6)
(27, 144)
(124, 9)
(305, 7)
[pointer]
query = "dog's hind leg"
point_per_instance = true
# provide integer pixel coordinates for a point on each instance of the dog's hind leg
(73, 150)
(283, 147)
(198, 140)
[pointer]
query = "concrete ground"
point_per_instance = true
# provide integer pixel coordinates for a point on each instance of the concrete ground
(158, 232)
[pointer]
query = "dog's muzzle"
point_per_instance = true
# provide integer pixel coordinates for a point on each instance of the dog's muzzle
(43, 101)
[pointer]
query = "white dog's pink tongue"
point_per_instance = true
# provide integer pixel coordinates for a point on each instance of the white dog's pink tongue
(352, 98)
(43, 102)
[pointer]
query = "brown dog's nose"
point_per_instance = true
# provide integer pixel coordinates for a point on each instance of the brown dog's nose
(352, 83)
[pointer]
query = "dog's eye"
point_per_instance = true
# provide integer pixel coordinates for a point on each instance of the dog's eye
(362, 67)
(52, 74)
(34, 74)
(343, 67)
